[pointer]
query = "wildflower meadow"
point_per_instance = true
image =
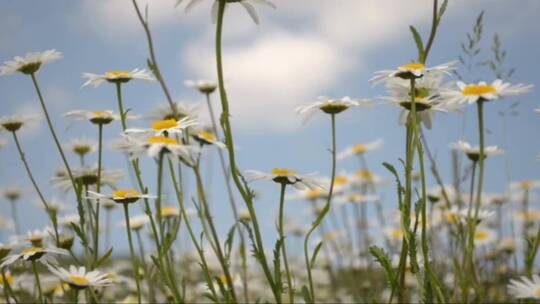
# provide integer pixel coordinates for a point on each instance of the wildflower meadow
(322, 152)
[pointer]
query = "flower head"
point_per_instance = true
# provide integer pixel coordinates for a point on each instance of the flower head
(82, 146)
(30, 63)
(42, 254)
(14, 122)
(116, 77)
(79, 278)
(207, 138)
(96, 117)
(525, 288)
(330, 106)
(358, 149)
(165, 127)
(121, 196)
(412, 70)
(285, 176)
(203, 86)
(473, 153)
(247, 4)
(181, 110)
(471, 93)
(87, 176)
(154, 146)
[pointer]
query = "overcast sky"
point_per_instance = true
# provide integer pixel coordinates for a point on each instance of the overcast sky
(302, 49)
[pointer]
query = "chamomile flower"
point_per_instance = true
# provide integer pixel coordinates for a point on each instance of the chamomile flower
(471, 93)
(525, 288)
(81, 146)
(356, 198)
(165, 127)
(525, 185)
(364, 177)
(247, 4)
(87, 176)
(30, 63)
(69, 219)
(121, 196)
(330, 106)
(37, 237)
(12, 193)
(473, 153)
(169, 212)
(117, 77)
(308, 194)
(136, 222)
(79, 278)
(181, 110)
(358, 149)
(207, 138)
(412, 70)
(286, 176)
(14, 122)
(203, 86)
(484, 236)
(153, 146)
(96, 117)
(43, 254)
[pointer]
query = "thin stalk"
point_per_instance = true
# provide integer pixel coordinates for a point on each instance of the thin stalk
(145, 267)
(38, 283)
(283, 246)
(121, 105)
(15, 217)
(134, 259)
(200, 251)
(325, 210)
(36, 187)
(98, 185)
(107, 228)
(213, 231)
(226, 126)
(424, 237)
(8, 292)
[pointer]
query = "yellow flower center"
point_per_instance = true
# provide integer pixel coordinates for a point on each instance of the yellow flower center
(537, 292)
(481, 235)
(9, 278)
(78, 280)
(340, 180)
(32, 250)
(125, 193)
(478, 89)
(283, 171)
(100, 113)
(355, 197)
(526, 185)
(117, 74)
(396, 233)
(207, 136)
(162, 140)
(313, 193)
(169, 211)
(359, 148)
(451, 217)
(364, 174)
(412, 66)
(163, 124)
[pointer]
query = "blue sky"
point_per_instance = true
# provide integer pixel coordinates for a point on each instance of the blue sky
(303, 49)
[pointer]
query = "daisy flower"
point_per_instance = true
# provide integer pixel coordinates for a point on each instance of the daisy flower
(473, 153)
(169, 212)
(208, 138)
(247, 4)
(182, 110)
(165, 127)
(69, 219)
(79, 278)
(30, 63)
(120, 196)
(96, 117)
(412, 70)
(525, 287)
(203, 86)
(358, 149)
(356, 198)
(12, 193)
(484, 236)
(81, 146)
(14, 122)
(428, 98)
(308, 194)
(116, 77)
(525, 185)
(364, 177)
(37, 237)
(136, 222)
(330, 106)
(285, 176)
(471, 93)
(153, 146)
(87, 176)
(42, 254)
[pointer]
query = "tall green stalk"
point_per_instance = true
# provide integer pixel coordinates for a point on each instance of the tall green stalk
(283, 246)
(38, 283)
(98, 185)
(325, 210)
(134, 259)
(227, 130)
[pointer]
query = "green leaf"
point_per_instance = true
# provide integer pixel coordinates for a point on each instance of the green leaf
(104, 258)
(442, 10)
(229, 242)
(384, 260)
(277, 264)
(306, 295)
(314, 256)
(419, 43)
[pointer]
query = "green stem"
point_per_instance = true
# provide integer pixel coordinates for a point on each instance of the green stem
(15, 217)
(424, 237)
(36, 187)
(246, 196)
(121, 105)
(145, 267)
(38, 283)
(134, 258)
(98, 185)
(323, 212)
(283, 246)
